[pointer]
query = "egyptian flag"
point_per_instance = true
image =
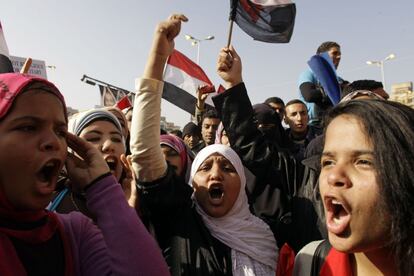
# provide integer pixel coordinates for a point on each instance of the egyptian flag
(265, 20)
(182, 77)
(5, 63)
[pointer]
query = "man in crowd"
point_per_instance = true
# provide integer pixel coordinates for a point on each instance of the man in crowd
(277, 104)
(209, 125)
(299, 132)
(311, 91)
(192, 137)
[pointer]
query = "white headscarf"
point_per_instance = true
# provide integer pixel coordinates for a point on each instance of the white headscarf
(254, 250)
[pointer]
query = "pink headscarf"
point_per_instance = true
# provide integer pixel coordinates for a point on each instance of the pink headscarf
(12, 84)
(179, 146)
(219, 133)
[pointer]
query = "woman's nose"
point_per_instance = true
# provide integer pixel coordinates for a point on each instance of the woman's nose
(216, 172)
(337, 176)
(50, 142)
(107, 146)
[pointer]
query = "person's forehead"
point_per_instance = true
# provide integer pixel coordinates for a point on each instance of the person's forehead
(211, 121)
(216, 157)
(296, 107)
(334, 49)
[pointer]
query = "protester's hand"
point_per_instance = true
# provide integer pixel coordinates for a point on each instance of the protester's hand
(229, 67)
(163, 45)
(87, 166)
(128, 183)
(201, 97)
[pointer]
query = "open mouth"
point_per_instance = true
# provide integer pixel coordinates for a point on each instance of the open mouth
(112, 162)
(49, 171)
(337, 216)
(216, 192)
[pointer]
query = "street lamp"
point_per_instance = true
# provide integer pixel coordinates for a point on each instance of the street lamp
(380, 64)
(196, 41)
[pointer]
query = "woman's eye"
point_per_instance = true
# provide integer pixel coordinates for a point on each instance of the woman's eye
(228, 169)
(325, 163)
(61, 133)
(27, 128)
(204, 168)
(364, 162)
(93, 139)
(116, 139)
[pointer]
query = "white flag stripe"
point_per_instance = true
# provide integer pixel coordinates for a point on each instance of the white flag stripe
(184, 81)
(271, 2)
(4, 50)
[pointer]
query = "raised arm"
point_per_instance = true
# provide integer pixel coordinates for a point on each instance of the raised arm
(148, 162)
(237, 115)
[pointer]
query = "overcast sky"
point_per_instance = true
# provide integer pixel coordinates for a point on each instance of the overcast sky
(109, 40)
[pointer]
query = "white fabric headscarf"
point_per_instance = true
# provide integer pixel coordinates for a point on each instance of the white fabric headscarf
(254, 250)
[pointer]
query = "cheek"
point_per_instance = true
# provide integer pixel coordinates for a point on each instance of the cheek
(234, 190)
(120, 149)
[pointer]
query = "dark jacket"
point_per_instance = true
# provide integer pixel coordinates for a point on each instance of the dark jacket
(284, 189)
(299, 149)
(187, 244)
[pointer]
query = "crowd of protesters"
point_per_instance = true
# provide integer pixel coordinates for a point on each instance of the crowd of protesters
(302, 188)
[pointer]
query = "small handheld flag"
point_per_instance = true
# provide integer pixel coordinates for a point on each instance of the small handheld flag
(264, 20)
(182, 77)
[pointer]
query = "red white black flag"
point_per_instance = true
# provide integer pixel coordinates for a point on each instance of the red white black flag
(182, 77)
(5, 63)
(265, 20)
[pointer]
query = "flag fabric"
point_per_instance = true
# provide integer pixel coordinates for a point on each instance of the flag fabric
(124, 103)
(182, 77)
(220, 89)
(109, 96)
(324, 70)
(265, 20)
(5, 63)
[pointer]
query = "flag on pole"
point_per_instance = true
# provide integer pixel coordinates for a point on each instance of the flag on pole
(265, 20)
(124, 103)
(182, 77)
(5, 63)
(108, 97)
(324, 70)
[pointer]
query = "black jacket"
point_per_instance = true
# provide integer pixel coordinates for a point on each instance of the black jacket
(187, 245)
(283, 193)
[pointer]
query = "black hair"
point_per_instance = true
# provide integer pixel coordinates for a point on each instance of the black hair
(390, 128)
(211, 114)
(295, 101)
(326, 46)
(176, 132)
(275, 100)
(369, 85)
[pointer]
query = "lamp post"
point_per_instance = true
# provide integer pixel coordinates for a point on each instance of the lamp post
(196, 41)
(380, 63)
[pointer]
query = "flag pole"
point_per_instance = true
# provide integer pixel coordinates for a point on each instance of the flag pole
(233, 11)
(230, 33)
(26, 66)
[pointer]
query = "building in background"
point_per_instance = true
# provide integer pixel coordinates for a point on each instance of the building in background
(403, 93)
(71, 111)
(168, 126)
